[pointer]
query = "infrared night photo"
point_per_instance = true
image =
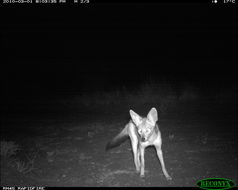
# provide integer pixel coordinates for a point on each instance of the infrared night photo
(124, 94)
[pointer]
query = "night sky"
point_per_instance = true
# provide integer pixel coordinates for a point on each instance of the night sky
(57, 50)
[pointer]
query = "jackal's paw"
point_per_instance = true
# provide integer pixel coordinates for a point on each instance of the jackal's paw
(142, 175)
(168, 178)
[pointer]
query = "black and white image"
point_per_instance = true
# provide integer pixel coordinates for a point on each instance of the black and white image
(118, 94)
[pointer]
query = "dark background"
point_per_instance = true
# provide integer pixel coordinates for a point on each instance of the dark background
(60, 50)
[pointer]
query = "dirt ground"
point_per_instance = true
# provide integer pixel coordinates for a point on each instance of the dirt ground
(199, 141)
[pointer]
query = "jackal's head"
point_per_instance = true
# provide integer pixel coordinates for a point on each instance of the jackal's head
(145, 126)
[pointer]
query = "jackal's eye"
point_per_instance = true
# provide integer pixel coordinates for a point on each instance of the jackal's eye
(147, 131)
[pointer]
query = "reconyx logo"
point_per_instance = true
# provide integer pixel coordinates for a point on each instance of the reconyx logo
(215, 183)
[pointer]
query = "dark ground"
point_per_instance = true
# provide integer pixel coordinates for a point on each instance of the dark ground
(199, 141)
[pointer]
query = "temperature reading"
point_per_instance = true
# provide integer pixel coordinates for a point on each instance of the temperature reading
(229, 1)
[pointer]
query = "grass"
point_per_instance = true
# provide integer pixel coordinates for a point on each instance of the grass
(163, 94)
(25, 167)
(9, 158)
(160, 94)
(9, 149)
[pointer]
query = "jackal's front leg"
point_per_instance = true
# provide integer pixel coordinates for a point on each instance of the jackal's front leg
(160, 155)
(142, 169)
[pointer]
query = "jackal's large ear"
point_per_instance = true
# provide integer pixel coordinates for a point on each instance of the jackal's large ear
(135, 117)
(152, 116)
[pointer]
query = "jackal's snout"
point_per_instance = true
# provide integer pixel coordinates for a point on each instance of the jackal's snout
(143, 139)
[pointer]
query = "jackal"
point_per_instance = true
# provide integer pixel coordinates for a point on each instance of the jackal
(143, 132)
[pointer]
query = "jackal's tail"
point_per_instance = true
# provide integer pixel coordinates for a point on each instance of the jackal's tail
(117, 140)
